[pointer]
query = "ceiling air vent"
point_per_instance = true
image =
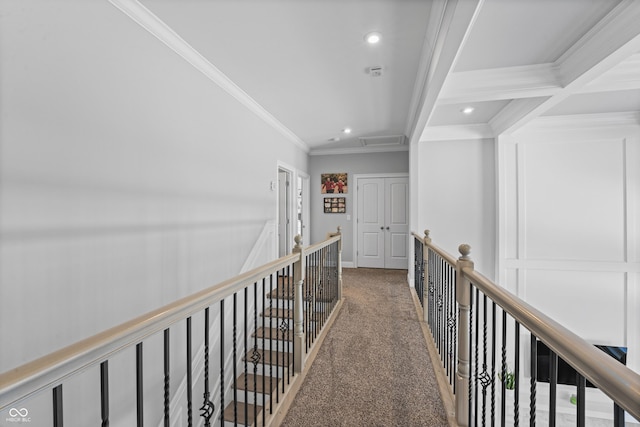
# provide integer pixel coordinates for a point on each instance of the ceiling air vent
(377, 141)
(375, 71)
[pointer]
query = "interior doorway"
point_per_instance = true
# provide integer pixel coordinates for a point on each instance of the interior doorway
(382, 221)
(284, 212)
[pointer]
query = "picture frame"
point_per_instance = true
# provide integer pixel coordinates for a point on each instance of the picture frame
(335, 205)
(334, 183)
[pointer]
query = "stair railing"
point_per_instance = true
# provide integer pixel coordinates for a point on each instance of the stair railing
(477, 325)
(303, 287)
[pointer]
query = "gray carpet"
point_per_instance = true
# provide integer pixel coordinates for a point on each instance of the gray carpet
(373, 368)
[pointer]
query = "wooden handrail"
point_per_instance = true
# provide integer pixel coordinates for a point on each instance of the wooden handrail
(52, 369)
(613, 378)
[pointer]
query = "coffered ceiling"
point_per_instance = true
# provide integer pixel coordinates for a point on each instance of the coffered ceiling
(307, 66)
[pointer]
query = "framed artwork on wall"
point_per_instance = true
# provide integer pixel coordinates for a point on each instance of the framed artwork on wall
(334, 183)
(335, 205)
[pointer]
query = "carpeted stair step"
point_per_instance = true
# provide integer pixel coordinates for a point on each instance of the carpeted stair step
(257, 383)
(230, 415)
(272, 357)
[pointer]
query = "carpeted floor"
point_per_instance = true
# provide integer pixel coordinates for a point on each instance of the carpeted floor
(373, 368)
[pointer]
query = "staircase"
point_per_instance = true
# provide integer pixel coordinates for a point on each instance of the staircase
(271, 361)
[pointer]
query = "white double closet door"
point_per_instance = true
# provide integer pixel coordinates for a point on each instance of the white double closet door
(383, 222)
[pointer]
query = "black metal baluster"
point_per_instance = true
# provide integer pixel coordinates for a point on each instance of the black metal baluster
(235, 359)
(472, 346)
(534, 374)
(274, 357)
(189, 377)
(445, 323)
(582, 384)
(245, 356)
(264, 397)
(167, 401)
(271, 345)
(476, 358)
(503, 370)
(139, 386)
(104, 393)
(255, 357)
(439, 306)
(484, 380)
(58, 419)
(516, 373)
(287, 331)
(553, 382)
(222, 335)
(493, 363)
(618, 415)
(207, 406)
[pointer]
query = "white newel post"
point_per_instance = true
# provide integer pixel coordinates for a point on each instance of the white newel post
(298, 330)
(425, 271)
(329, 235)
(463, 295)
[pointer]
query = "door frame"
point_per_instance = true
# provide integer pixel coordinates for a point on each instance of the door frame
(354, 203)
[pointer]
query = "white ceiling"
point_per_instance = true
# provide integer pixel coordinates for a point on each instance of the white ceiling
(306, 63)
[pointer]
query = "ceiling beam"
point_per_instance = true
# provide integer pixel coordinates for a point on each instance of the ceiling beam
(615, 38)
(451, 21)
(500, 83)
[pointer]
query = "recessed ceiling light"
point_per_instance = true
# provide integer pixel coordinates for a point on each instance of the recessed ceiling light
(467, 110)
(373, 38)
(346, 130)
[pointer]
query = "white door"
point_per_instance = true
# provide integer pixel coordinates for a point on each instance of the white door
(396, 223)
(371, 222)
(383, 222)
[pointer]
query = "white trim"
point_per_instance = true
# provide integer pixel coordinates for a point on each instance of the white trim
(500, 83)
(612, 40)
(455, 19)
(158, 28)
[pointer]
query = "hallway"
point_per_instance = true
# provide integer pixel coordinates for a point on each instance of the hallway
(373, 368)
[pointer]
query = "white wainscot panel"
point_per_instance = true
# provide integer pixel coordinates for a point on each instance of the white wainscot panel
(591, 304)
(574, 201)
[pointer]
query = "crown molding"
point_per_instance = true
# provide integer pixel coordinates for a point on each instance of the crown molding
(159, 29)
(457, 133)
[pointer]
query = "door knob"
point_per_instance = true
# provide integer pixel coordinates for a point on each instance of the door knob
(387, 228)
(381, 228)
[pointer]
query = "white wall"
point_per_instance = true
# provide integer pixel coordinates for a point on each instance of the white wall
(392, 162)
(569, 227)
(127, 178)
(457, 202)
